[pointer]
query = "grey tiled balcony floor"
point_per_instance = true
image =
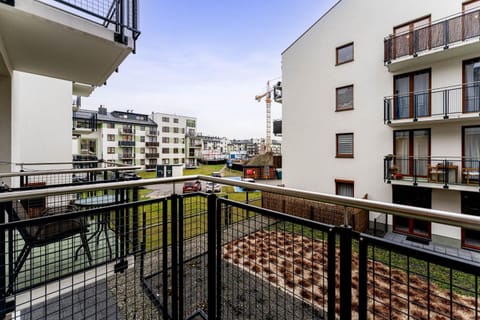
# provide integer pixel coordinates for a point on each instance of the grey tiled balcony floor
(439, 248)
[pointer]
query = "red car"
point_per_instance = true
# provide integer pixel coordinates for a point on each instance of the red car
(192, 186)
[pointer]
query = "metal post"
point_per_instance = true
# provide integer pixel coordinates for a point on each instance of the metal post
(415, 172)
(174, 248)
(415, 107)
(446, 174)
(219, 259)
(165, 259)
(3, 287)
(212, 264)
(362, 279)
(345, 272)
(135, 220)
(445, 34)
(331, 274)
(446, 103)
(180, 258)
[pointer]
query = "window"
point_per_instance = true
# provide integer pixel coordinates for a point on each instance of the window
(165, 119)
(344, 98)
(471, 155)
(345, 145)
(110, 137)
(412, 95)
(344, 187)
(417, 197)
(470, 238)
(183, 150)
(176, 161)
(345, 53)
(110, 125)
(175, 140)
(412, 150)
(175, 130)
(471, 23)
(142, 150)
(190, 123)
(142, 128)
(165, 129)
(142, 138)
(175, 120)
(165, 161)
(165, 150)
(111, 150)
(175, 150)
(166, 140)
(142, 162)
(471, 87)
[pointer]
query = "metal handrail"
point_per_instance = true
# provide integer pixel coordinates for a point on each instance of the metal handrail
(60, 171)
(433, 215)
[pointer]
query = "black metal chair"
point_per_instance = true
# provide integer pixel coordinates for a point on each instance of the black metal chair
(44, 233)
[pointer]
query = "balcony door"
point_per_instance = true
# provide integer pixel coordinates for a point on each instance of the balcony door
(412, 95)
(470, 201)
(471, 22)
(411, 35)
(471, 87)
(471, 154)
(412, 152)
(417, 197)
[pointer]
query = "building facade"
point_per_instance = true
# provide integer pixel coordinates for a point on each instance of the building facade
(213, 148)
(39, 71)
(125, 138)
(390, 108)
(177, 137)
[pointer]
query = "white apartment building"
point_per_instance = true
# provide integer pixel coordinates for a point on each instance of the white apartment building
(176, 135)
(213, 148)
(117, 137)
(49, 51)
(382, 98)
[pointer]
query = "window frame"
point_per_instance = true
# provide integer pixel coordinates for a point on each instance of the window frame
(341, 155)
(337, 109)
(337, 63)
(351, 183)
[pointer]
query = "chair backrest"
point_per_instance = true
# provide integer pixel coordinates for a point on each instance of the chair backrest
(16, 212)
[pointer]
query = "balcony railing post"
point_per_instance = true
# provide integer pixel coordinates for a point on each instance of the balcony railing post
(362, 279)
(415, 107)
(415, 165)
(445, 34)
(415, 42)
(446, 174)
(446, 102)
(212, 256)
(331, 274)
(345, 271)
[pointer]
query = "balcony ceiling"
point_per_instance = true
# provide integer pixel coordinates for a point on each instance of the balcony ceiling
(43, 40)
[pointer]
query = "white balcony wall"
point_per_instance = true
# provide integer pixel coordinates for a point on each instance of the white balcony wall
(41, 126)
(5, 135)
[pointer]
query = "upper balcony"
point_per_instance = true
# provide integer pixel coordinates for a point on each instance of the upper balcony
(461, 174)
(126, 131)
(84, 122)
(461, 102)
(450, 37)
(79, 41)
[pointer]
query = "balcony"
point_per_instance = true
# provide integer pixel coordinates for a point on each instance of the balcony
(84, 122)
(151, 133)
(444, 39)
(126, 156)
(150, 167)
(108, 26)
(460, 102)
(126, 143)
(126, 131)
(433, 172)
(152, 144)
(151, 155)
(180, 255)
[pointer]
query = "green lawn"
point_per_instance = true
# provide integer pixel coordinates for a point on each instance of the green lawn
(206, 170)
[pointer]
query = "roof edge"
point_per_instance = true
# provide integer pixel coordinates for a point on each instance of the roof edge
(305, 32)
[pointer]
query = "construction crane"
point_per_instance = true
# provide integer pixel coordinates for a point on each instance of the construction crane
(268, 101)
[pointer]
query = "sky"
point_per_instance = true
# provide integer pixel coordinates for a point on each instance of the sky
(208, 59)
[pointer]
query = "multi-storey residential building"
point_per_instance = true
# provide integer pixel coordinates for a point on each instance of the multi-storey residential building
(177, 136)
(213, 148)
(388, 94)
(276, 147)
(251, 146)
(117, 137)
(49, 51)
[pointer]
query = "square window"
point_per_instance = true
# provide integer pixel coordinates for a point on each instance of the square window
(344, 188)
(345, 145)
(345, 53)
(344, 98)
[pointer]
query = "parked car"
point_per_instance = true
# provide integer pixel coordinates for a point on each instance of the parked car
(192, 186)
(217, 174)
(212, 187)
(129, 176)
(251, 180)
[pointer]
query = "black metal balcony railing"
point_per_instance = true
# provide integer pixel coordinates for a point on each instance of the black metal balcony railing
(126, 131)
(440, 34)
(84, 123)
(152, 133)
(152, 144)
(124, 156)
(151, 155)
(174, 256)
(442, 102)
(126, 143)
(121, 15)
(434, 170)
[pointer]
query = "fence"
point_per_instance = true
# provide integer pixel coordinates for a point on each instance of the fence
(197, 254)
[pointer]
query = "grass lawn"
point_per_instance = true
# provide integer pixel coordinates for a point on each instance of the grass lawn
(206, 170)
